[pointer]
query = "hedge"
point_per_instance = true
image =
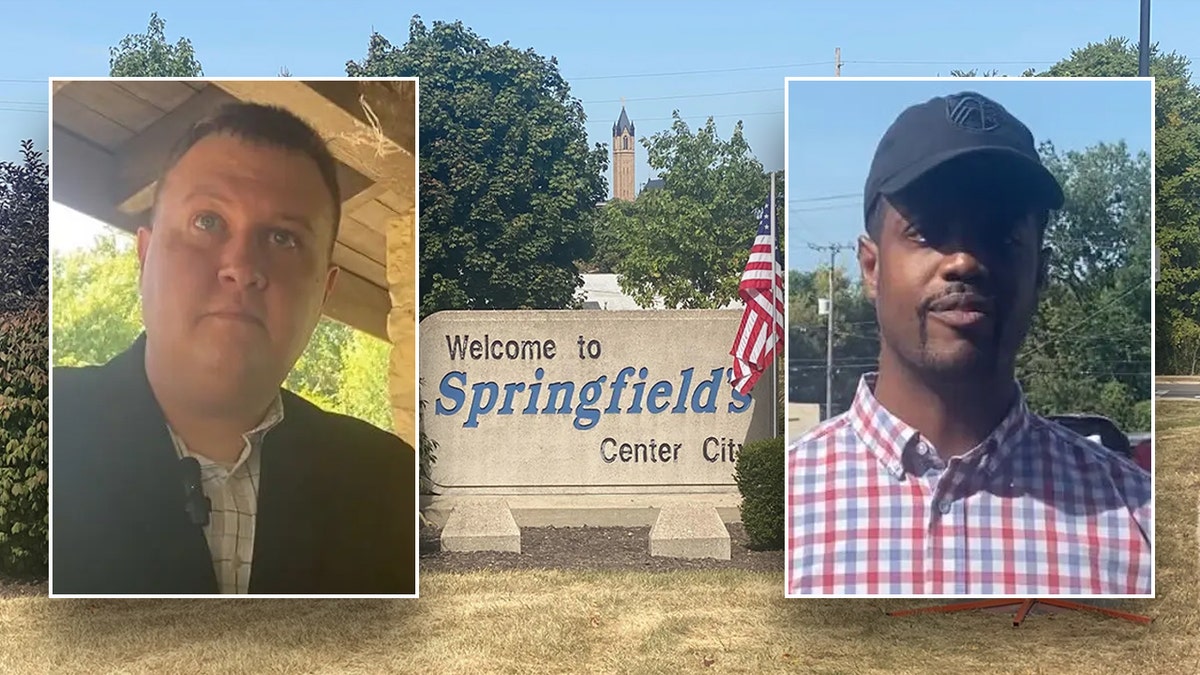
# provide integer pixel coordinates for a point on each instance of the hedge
(24, 443)
(759, 476)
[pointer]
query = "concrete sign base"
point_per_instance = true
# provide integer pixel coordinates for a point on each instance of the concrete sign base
(689, 531)
(481, 525)
(590, 510)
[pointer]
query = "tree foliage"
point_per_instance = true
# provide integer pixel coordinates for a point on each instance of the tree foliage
(97, 311)
(1088, 349)
(24, 229)
(687, 243)
(149, 55)
(507, 178)
(24, 381)
(24, 444)
(855, 336)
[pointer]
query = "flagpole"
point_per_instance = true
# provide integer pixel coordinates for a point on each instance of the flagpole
(774, 312)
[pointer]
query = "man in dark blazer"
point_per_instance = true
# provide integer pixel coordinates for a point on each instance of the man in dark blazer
(181, 466)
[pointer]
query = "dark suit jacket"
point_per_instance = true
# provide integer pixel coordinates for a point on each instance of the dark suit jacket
(336, 503)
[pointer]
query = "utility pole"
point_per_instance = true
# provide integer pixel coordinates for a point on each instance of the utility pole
(833, 249)
(837, 58)
(1144, 42)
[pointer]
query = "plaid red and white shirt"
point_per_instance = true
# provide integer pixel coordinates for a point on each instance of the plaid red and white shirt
(1034, 510)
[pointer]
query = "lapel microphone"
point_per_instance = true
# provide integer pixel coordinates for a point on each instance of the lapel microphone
(195, 503)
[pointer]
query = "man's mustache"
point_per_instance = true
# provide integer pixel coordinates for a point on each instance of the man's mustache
(959, 295)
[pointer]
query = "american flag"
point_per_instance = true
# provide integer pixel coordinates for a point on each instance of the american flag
(761, 289)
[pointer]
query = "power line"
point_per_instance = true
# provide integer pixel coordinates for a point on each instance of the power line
(951, 63)
(668, 119)
(675, 96)
(699, 72)
(825, 198)
(810, 64)
(827, 207)
(1099, 310)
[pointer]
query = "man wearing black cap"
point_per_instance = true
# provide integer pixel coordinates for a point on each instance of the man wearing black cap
(939, 480)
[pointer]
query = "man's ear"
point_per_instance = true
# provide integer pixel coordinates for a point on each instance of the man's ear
(868, 265)
(330, 280)
(1043, 274)
(143, 247)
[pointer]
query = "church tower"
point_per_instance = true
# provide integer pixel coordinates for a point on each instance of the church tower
(622, 149)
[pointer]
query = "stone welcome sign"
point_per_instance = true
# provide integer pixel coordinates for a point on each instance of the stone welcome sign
(585, 401)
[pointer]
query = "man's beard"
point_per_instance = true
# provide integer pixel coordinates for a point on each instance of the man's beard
(975, 355)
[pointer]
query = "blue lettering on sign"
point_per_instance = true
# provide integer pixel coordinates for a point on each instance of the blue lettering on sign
(629, 392)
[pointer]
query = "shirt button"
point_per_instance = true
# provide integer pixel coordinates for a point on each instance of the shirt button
(944, 507)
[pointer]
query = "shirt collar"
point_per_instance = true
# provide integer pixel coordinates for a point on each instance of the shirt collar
(889, 438)
(253, 437)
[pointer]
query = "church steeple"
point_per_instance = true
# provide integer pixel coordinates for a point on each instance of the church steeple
(623, 124)
(623, 146)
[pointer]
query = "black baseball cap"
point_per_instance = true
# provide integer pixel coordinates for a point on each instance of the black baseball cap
(929, 135)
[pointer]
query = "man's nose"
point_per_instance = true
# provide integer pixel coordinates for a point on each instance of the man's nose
(962, 262)
(243, 262)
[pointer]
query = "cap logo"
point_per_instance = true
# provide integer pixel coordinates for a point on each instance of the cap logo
(972, 112)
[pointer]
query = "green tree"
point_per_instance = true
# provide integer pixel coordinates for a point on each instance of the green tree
(364, 393)
(24, 423)
(97, 309)
(507, 178)
(1088, 349)
(149, 55)
(316, 375)
(687, 243)
(24, 229)
(855, 337)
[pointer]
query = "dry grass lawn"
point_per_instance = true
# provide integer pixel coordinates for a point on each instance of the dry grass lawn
(631, 622)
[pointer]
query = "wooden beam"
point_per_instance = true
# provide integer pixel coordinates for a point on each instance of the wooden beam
(362, 198)
(81, 177)
(360, 145)
(392, 102)
(141, 160)
(360, 304)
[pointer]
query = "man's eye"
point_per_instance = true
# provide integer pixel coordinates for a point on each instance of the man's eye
(206, 221)
(284, 238)
(914, 234)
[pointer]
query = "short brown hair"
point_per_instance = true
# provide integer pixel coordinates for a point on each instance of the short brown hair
(268, 125)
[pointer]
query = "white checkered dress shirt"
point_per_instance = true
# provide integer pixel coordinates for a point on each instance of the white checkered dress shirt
(233, 491)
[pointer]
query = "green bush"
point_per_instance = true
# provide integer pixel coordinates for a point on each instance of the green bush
(759, 476)
(24, 443)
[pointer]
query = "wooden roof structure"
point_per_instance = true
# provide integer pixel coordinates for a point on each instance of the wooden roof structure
(111, 139)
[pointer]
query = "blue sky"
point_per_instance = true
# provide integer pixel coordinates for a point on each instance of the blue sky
(711, 57)
(830, 154)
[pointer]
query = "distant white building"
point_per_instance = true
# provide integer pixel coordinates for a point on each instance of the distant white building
(601, 291)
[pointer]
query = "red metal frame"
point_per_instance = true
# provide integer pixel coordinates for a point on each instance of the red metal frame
(1023, 609)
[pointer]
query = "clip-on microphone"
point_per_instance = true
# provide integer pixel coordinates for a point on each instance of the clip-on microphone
(195, 503)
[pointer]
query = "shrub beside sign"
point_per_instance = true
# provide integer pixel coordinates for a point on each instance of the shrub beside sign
(580, 399)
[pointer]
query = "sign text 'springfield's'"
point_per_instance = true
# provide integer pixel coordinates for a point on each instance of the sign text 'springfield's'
(629, 393)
